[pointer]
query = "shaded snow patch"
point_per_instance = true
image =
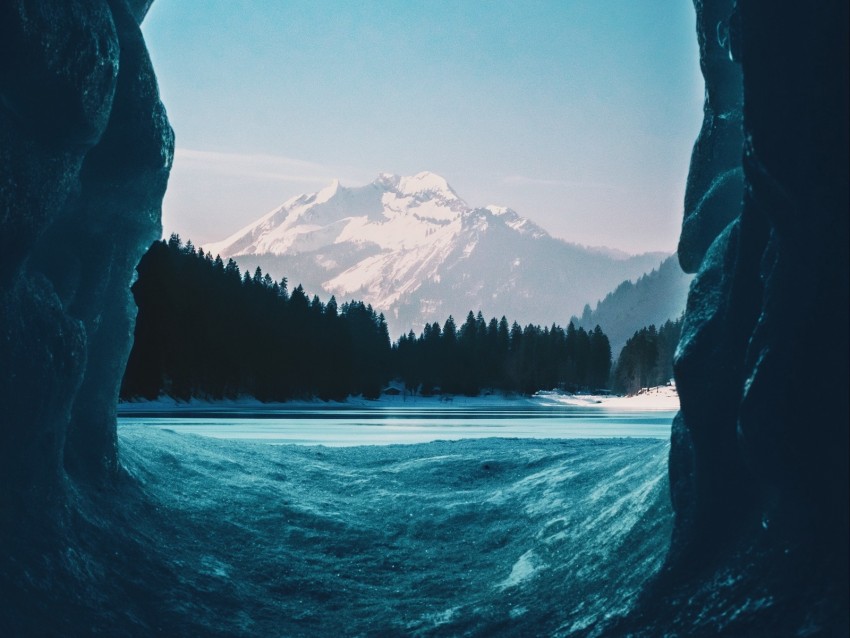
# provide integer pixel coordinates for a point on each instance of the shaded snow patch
(524, 569)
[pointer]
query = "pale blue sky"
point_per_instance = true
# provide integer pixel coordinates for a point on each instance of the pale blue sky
(579, 114)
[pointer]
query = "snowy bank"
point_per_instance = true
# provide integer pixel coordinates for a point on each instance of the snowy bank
(662, 397)
(658, 398)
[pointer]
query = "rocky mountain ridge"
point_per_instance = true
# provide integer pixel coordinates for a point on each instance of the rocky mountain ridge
(416, 251)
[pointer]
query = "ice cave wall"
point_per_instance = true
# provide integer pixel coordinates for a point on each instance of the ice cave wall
(763, 366)
(85, 152)
(759, 452)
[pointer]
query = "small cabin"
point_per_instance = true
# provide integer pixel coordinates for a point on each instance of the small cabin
(393, 390)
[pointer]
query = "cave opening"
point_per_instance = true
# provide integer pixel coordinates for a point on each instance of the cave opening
(760, 502)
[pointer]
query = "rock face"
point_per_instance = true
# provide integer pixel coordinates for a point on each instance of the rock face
(715, 177)
(85, 152)
(759, 453)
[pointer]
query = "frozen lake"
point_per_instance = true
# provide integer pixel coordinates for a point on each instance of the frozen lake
(475, 537)
(496, 517)
(383, 424)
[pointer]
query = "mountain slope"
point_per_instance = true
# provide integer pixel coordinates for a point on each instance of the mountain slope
(412, 248)
(652, 299)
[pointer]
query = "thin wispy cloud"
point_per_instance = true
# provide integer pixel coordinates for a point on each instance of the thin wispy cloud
(254, 165)
(523, 180)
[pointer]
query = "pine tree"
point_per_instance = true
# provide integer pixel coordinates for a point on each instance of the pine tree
(205, 329)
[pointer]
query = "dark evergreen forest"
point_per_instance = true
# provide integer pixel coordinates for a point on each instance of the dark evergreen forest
(647, 358)
(481, 355)
(206, 330)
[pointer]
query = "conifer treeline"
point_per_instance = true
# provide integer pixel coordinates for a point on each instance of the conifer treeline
(647, 358)
(206, 330)
(490, 355)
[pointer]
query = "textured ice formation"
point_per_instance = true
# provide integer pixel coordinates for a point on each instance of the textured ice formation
(759, 474)
(85, 151)
(715, 180)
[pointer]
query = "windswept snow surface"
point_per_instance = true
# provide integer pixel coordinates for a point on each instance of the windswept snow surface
(663, 397)
(470, 537)
(489, 537)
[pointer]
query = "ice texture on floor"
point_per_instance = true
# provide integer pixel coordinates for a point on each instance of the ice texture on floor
(472, 537)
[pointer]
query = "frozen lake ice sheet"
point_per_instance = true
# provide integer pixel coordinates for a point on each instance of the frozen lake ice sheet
(472, 537)
(386, 424)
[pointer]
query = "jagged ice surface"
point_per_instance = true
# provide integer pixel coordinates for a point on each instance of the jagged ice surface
(448, 537)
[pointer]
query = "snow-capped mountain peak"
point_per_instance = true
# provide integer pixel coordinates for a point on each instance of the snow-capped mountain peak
(425, 182)
(419, 184)
(411, 247)
(327, 192)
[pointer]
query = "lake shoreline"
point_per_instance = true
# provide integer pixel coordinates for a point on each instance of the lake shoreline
(657, 398)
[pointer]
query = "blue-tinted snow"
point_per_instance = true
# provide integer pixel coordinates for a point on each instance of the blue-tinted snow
(472, 537)
(400, 423)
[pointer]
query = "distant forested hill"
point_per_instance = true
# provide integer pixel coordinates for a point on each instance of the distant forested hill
(653, 299)
(647, 358)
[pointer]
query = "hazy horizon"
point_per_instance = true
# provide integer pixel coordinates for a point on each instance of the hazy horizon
(578, 116)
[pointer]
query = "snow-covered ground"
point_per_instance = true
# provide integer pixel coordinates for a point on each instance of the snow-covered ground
(662, 397)
(658, 398)
(507, 535)
(488, 537)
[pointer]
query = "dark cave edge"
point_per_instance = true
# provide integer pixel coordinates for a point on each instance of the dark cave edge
(85, 153)
(759, 452)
